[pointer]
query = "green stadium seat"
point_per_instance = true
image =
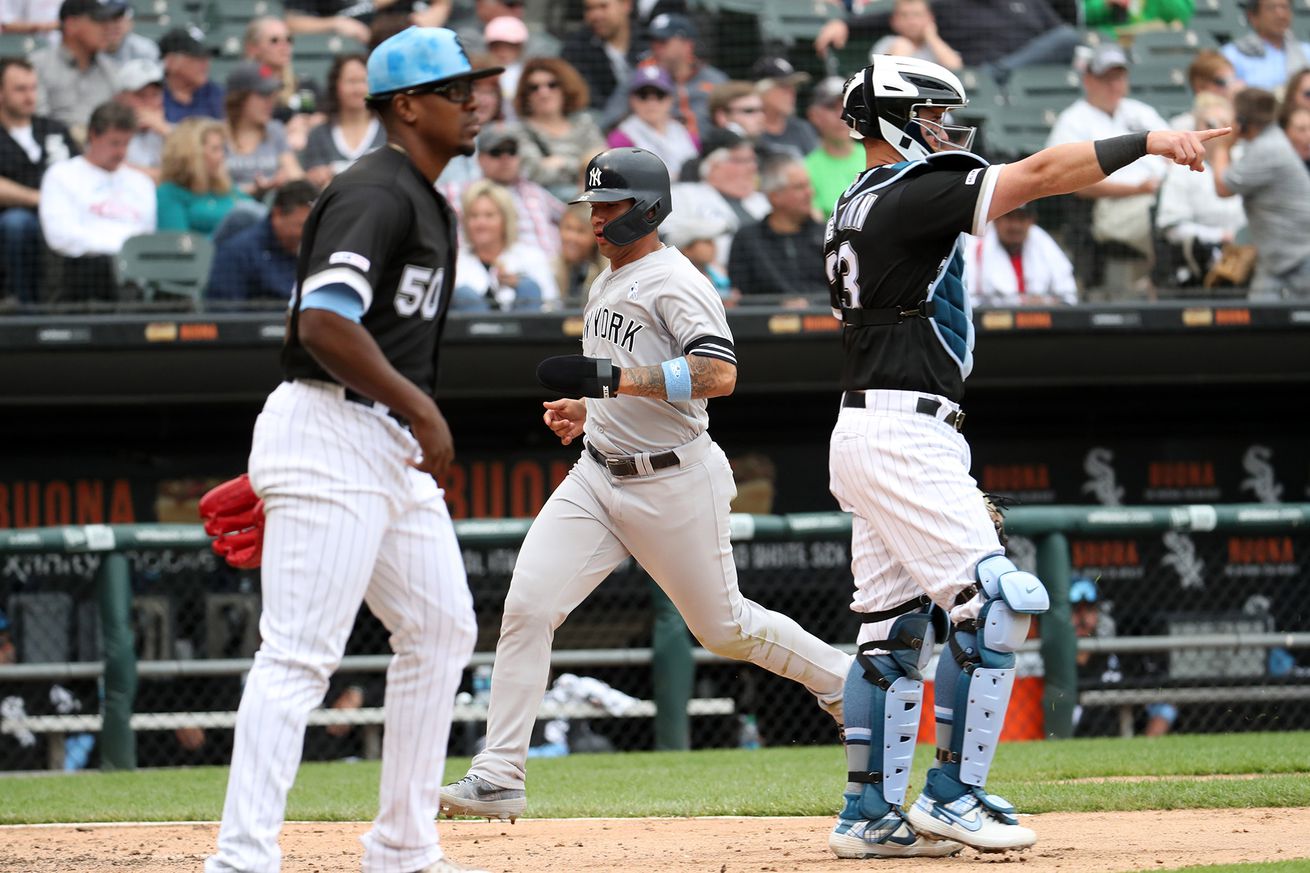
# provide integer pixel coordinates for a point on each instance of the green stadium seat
(228, 40)
(16, 45)
(1222, 19)
(325, 45)
(221, 66)
(1047, 87)
(165, 263)
(1178, 46)
(983, 92)
(788, 23)
(1163, 86)
(152, 30)
(1020, 130)
(242, 11)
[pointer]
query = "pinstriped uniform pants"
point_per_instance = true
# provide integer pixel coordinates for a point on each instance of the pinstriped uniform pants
(348, 522)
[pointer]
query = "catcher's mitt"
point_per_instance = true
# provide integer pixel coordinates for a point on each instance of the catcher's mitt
(234, 516)
(996, 506)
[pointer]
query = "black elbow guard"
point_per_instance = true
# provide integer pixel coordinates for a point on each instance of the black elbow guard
(580, 376)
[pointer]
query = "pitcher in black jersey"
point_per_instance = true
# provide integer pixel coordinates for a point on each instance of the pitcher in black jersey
(344, 457)
(927, 563)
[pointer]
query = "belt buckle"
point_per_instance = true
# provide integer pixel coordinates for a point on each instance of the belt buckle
(619, 466)
(959, 420)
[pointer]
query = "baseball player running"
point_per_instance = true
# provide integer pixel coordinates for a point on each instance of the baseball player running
(650, 482)
(344, 455)
(925, 553)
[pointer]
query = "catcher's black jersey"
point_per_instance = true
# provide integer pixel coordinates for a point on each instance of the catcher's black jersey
(384, 231)
(894, 242)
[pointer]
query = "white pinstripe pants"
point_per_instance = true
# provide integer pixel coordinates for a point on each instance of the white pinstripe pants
(347, 522)
(919, 525)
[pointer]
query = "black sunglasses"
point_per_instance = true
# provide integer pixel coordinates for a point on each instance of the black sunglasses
(649, 94)
(503, 151)
(534, 87)
(458, 91)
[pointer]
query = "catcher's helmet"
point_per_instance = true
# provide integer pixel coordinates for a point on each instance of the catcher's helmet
(629, 173)
(882, 101)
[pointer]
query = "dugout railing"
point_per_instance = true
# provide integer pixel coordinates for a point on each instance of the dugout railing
(1040, 540)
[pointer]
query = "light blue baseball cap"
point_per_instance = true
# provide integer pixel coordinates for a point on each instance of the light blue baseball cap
(420, 56)
(1082, 590)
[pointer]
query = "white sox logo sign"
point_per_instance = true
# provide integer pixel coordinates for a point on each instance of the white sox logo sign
(593, 178)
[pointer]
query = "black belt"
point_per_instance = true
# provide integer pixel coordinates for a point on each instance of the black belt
(861, 317)
(926, 405)
(354, 396)
(627, 464)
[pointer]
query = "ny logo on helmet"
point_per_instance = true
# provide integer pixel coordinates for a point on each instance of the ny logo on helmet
(593, 178)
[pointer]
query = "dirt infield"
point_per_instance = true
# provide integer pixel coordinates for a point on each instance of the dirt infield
(1067, 843)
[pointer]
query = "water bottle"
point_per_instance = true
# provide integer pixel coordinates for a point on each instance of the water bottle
(748, 736)
(482, 684)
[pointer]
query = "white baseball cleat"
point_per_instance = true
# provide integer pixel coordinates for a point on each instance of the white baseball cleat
(977, 819)
(889, 837)
(474, 795)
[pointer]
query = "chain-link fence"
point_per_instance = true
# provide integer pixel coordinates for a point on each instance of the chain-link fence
(195, 621)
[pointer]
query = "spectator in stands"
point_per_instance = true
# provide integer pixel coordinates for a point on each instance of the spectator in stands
(695, 238)
(258, 155)
(651, 125)
(673, 47)
(579, 261)
(738, 107)
(1268, 55)
(603, 52)
(495, 269)
(1208, 73)
(141, 89)
(1121, 211)
(29, 145)
(541, 44)
(90, 205)
(75, 76)
(1016, 263)
(506, 37)
(999, 35)
(1270, 176)
(1194, 220)
(1295, 122)
(196, 193)
(463, 169)
(41, 19)
(835, 162)
(914, 35)
(728, 192)
(1113, 16)
(352, 129)
(1297, 90)
(500, 147)
(782, 254)
(123, 44)
(550, 102)
(187, 88)
(345, 18)
(268, 42)
(776, 80)
(1099, 669)
(259, 262)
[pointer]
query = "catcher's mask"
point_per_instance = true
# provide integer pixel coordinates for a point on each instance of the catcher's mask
(888, 98)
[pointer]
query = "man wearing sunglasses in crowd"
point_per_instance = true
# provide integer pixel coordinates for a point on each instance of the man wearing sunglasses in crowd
(347, 456)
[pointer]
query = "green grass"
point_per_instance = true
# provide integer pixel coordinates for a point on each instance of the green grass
(1263, 867)
(783, 781)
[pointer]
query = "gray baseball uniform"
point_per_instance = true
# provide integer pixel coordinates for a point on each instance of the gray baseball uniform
(671, 515)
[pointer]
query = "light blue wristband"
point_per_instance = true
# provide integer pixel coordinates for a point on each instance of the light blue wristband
(677, 380)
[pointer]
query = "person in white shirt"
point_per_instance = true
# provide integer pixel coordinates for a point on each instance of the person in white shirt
(729, 194)
(496, 270)
(1121, 210)
(651, 126)
(1016, 263)
(92, 204)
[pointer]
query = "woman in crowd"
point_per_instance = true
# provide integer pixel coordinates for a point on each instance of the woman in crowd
(1295, 121)
(551, 103)
(195, 192)
(1297, 90)
(352, 129)
(495, 270)
(268, 42)
(258, 155)
(1209, 73)
(579, 261)
(651, 126)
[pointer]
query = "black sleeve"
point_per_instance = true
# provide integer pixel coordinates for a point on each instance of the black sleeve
(945, 202)
(358, 228)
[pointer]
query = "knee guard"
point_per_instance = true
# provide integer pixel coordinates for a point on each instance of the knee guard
(982, 649)
(895, 675)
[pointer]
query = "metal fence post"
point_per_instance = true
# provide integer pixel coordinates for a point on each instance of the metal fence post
(673, 672)
(1059, 647)
(114, 590)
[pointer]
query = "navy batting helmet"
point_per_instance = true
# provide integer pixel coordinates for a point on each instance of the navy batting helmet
(629, 173)
(882, 101)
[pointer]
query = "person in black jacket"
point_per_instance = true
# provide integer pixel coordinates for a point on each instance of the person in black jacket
(782, 254)
(604, 51)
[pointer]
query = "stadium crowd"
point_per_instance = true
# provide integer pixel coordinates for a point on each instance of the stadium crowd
(107, 136)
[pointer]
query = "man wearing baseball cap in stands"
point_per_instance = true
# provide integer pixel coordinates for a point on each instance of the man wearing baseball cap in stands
(506, 37)
(776, 80)
(651, 126)
(673, 47)
(75, 76)
(141, 88)
(188, 90)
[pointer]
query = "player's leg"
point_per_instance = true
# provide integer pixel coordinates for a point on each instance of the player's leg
(419, 591)
(568, 551)
(676, 523)
(320, 542)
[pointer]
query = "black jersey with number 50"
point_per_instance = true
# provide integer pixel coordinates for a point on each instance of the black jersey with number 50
(381, 229)
(894, 244)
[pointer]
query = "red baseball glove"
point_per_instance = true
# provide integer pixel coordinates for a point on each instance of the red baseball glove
(234, 516)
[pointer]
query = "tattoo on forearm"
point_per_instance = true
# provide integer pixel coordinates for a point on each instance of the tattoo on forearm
(707, 378)
(706, 375)
(644, 381)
